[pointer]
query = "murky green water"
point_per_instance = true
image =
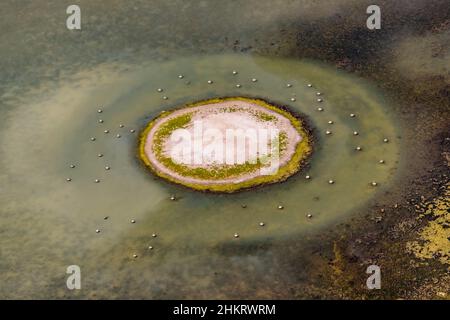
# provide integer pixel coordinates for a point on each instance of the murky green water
(48, 223)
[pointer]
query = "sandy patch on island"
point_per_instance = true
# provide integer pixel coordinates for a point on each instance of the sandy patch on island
(213, 117)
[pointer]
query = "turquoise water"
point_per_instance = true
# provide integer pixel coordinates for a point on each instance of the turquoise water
(49, 223)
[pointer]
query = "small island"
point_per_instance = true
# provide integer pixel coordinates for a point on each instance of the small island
(225, 144)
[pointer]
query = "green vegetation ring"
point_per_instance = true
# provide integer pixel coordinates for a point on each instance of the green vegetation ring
(225, 144)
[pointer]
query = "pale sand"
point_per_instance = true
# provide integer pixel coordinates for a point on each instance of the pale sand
(212, 117)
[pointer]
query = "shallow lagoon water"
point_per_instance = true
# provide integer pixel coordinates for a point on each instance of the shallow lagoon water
(49, 223)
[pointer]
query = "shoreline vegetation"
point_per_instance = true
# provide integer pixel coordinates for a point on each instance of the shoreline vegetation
(294, 144)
